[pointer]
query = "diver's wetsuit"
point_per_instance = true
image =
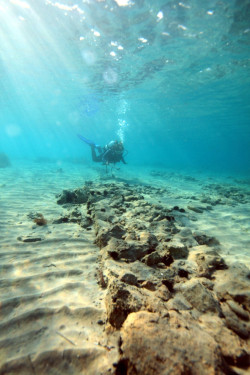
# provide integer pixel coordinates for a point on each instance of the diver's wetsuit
(107, 156)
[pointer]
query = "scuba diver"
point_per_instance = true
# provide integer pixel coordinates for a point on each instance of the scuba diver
(112, 153)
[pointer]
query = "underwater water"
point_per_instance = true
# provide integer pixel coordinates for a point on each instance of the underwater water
(142, 267)
(170, 78)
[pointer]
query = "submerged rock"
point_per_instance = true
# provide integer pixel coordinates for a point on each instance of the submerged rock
(198, 210)
(129, 278)
(126, 251)
(179, 303)
(29, 239)
(232, 322)
(234, 350)
(120, 302)
(209, 261)
(199, 296)
(203, 239)
(238, 310)
(77, 196)
(154, 345)
(234, 284)
(105, 234)
(177, 250)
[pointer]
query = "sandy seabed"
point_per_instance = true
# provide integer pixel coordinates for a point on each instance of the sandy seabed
(54, 317)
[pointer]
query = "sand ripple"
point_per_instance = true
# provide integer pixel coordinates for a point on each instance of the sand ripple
(50, 302)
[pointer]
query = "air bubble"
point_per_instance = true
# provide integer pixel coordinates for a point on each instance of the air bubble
(110, 76)
(89, 57)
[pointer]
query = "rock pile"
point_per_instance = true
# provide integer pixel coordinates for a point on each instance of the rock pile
(179, 308)
(216, 194)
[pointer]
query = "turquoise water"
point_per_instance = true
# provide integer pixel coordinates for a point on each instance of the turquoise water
(170, 78)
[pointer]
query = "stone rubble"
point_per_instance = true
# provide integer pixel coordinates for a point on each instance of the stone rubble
(177, 305)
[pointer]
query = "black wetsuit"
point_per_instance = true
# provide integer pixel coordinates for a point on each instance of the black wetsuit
(107, 155)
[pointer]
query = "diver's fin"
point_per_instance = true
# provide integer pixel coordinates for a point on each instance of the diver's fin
(88, 141)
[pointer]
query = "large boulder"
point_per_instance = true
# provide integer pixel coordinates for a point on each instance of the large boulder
(177, 249)
(77, 196)
(106, 233)
(234, 283)
(235, 351)
(204, 239)
(233, 322)
(208, 261)
(120, 302)
(154, 345)
(126, 251)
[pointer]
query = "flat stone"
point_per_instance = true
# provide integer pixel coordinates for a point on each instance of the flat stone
(199, 296)
(76, 196)
(238, 310)
(177, 250)
(234, 283)
(152, 259)
(29, 239)
(129, 278)
(178, 303)
(208, 262)
(203, 239)
(128, 251)
(120, 302)
(233, 322)
(234, 350)
(198, 210)
(105, 234)
(163, 293)
(147, 284)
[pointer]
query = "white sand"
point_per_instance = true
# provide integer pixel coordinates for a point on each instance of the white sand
(50, 299)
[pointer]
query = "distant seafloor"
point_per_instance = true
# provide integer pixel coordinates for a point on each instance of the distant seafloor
(216, 204)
